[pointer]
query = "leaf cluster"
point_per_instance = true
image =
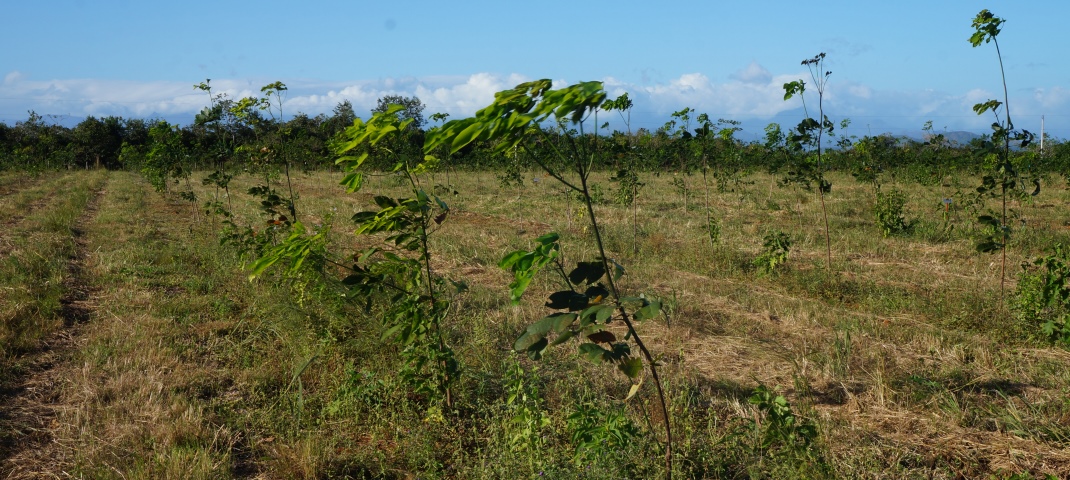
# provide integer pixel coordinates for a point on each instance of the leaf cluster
(781, 427)
(596, 432)
(585, 308)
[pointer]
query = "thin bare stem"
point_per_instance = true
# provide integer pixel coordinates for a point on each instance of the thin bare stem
(1006, 154)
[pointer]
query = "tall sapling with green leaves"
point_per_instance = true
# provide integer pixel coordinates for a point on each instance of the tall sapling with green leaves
(1005, 175)
(590, 299)
(627, 175)
(399, 272)
(809, 133)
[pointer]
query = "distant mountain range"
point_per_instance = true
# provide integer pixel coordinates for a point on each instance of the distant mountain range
(958, 137)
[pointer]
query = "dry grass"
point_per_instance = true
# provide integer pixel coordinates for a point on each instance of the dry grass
(901, 354)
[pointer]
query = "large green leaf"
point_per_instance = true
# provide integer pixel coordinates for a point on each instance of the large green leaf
(562, 321)
(596, 314)
(631, 366)
(535, 351)
(558, 322)
(563, 337)
(468, 135)
(651, 310)
(353, 181)
(594, 353)
(511, 258)
(525, 265)
(548, 238)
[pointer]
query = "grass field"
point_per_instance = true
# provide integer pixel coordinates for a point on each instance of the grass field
(134, 346)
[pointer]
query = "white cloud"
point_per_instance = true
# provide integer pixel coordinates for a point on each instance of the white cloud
(753, 73)
(457, 96)
(976, 96)
(1052, 99)
(752, 94)
(13, 77)
(859, 91)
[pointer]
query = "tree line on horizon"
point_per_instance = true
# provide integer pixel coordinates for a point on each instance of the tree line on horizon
(241, 135)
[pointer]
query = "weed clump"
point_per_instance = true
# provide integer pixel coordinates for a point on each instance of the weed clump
(775, 248)
(889, 213)
(1042, 299)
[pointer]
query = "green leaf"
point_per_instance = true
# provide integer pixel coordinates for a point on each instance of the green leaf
(618, 270)
(651, 310)
(604, 314)
(562, 321)
(466, 136)
(518, 286)
(596, 314)
(992, 105)
(537, 331)
(526, 340)
(593, 352)
(535, 351)
(353, 181)
(262, 264)
(392, 331)
(525, 265)
(511, 258)
(793, 88)
(548, 238)
(563, 337)
(353, 162)
(632, 367)
(385, 202)
(361, 218)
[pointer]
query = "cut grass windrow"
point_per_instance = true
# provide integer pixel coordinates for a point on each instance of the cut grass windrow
(34, 270)
(44, 287)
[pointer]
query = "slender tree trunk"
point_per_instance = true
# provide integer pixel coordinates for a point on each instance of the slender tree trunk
(706, 186)
(635, 231)
(631, 328)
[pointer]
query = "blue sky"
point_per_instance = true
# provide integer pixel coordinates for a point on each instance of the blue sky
(894, 64)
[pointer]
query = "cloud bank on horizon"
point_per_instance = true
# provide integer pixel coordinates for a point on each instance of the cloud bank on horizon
(752, 94)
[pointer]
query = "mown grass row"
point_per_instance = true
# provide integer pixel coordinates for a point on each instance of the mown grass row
(38, 276)
(23, 193)
(35, 259)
